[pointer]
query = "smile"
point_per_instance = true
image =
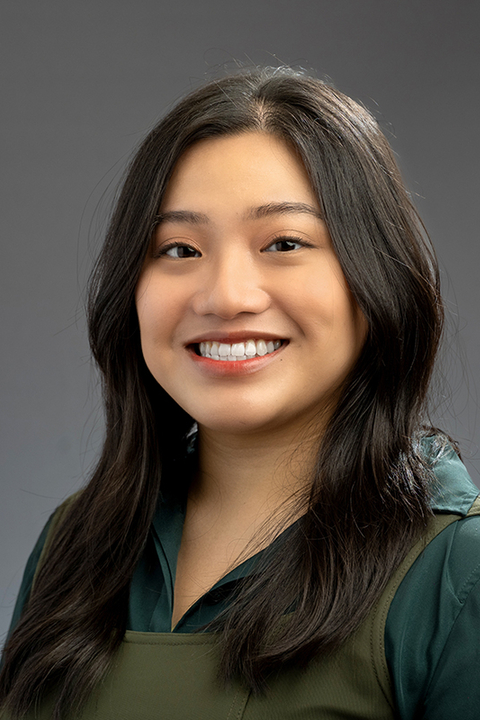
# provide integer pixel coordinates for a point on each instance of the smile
(237, 351)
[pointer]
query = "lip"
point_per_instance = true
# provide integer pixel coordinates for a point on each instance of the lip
(232, 368)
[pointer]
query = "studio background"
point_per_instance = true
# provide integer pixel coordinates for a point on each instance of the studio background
(81, 84)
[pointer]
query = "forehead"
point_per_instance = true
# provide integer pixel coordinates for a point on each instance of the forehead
(249, 169)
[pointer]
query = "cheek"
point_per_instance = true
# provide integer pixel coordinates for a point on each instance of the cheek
(161, 308)
(330, 311)
(152, 311)
(352, 332)
(145, 301)
(349, 321)
(320, 299)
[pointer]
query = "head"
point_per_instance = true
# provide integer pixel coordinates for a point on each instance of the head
(374, 231)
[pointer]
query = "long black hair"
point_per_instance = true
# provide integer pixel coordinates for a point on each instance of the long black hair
(369, 495)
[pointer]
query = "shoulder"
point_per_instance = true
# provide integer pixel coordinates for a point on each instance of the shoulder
(432, 633)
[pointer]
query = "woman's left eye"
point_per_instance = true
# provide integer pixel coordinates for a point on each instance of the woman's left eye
(285, 245)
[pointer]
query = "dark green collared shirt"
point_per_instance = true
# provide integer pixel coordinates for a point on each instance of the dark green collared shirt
(432, 632)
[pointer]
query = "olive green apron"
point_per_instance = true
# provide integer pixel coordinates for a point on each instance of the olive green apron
(173, 676)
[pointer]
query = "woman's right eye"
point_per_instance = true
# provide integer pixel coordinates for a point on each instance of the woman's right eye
(178, 251)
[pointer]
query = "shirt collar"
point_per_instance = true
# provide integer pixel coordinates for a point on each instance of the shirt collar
(452, 490)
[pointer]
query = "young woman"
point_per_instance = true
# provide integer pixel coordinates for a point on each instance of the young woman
(271, 531)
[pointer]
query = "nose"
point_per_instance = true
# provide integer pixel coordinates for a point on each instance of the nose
(231, 286)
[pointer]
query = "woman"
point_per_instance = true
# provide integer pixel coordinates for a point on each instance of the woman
(265, 314)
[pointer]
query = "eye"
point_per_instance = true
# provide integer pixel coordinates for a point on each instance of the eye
(285, 245)
(178, 251)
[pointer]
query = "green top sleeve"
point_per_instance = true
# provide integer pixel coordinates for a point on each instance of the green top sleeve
(28, 575)
(432, 634)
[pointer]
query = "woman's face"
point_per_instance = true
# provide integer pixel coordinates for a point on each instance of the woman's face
(245, 316)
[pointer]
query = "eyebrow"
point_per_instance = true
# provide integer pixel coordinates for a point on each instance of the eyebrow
(262, 211)
(284, 208)
(185, 216)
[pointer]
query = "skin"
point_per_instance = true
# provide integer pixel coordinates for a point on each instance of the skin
(242, 252)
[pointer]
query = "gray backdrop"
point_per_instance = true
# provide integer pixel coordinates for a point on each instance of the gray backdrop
(81, 83)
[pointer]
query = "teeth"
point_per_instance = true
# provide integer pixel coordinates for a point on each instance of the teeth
(250, 348)
(261, 347)
(238, 351)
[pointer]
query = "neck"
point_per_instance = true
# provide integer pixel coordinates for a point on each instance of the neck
(255, 473)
